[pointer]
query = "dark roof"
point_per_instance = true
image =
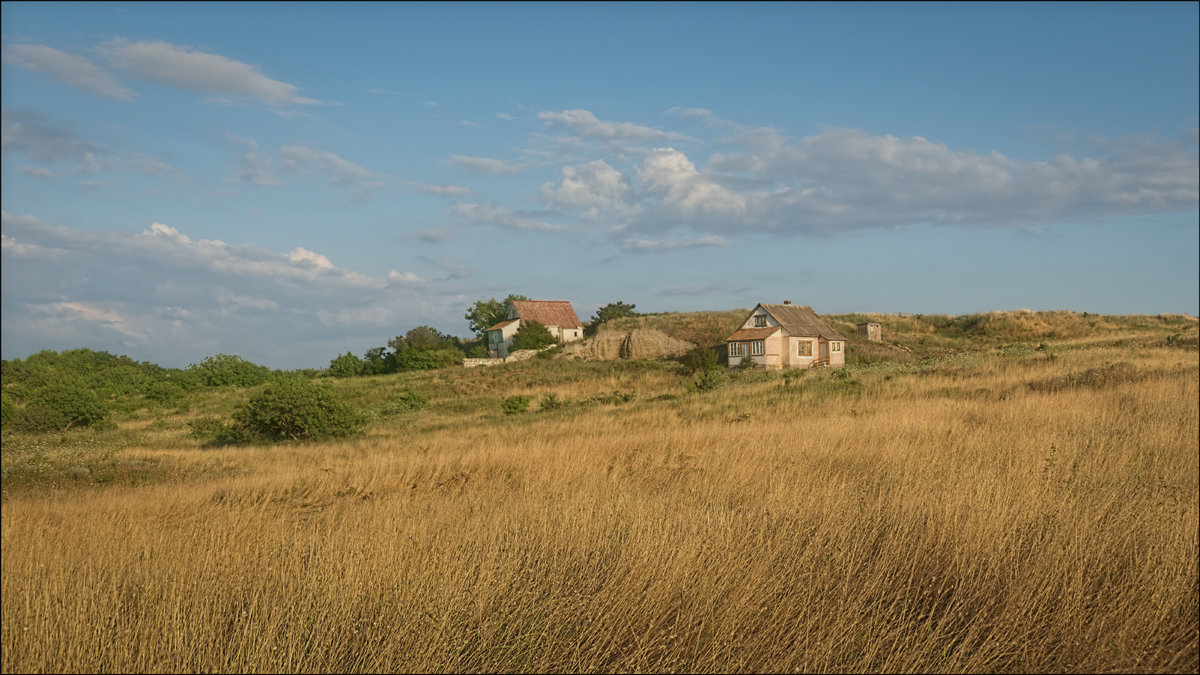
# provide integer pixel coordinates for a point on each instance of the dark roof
(547, 312)
(753, 333)
(801, 321)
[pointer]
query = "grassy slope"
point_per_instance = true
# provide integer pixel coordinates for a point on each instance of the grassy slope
(997, 493)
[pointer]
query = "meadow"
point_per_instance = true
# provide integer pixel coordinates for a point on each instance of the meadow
(1014, 492)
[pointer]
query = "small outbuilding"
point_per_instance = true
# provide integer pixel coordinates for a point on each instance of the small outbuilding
(870, 330)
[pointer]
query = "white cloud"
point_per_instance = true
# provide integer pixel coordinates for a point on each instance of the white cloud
(359, 183)
(212, 74)
(505, 116)
(486, 165)
(502, 217)
(440, 190)
(256, 169)
(302, 254)
(668, 245)
(587, 125)
(682, 192)
(37, 172)
(35, 136)
(174, 299)
(69, 69)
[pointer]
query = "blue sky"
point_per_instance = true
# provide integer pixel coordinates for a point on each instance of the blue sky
(289, 182)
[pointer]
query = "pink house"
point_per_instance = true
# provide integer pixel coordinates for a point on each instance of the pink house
(785, 336)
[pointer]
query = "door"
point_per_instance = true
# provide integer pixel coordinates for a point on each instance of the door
(824, 352)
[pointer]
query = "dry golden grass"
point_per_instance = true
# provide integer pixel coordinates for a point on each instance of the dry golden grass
(989, 512)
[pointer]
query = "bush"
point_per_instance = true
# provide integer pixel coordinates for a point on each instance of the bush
(710, 380)
(550, 402)
(295, 409)
(531, 335)
(224, 370)
(58, 407)
(515, 404)
(700, 360)
(346, 365)
(406, 401)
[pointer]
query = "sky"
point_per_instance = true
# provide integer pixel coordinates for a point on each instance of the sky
(288, 182)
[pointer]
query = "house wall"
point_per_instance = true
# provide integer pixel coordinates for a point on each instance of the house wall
(499, 349)
(796, 361)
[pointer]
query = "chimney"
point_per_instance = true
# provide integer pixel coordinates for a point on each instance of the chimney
(787, 302)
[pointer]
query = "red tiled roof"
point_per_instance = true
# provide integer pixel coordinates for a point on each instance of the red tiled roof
(753, 334)
(502, 324)
(547, 312)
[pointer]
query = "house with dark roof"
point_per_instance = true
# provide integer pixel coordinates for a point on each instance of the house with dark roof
(785, 336)
(556, 315)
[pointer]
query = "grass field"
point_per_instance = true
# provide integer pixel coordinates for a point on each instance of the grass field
(1011, 492)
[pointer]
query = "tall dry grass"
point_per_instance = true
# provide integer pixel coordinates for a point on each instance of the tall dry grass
(985, 513)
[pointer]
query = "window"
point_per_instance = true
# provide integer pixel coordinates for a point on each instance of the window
(804, 348)
(837, 346)
(760, 321)
(756, 348)
(735, 349)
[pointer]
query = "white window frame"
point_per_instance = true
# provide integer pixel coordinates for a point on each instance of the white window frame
(735, 349)
(800, 347)
(835, 346)
(757, 348)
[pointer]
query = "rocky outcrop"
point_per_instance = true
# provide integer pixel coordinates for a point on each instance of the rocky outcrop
(641, 343)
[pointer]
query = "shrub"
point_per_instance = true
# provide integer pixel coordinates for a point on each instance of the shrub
(700, 360)
(406, 401)
(224, 370)
(550, 402)
(58, 407)
(346, 365)
(515, 404)
(710, 380)
(294, 408)
(531, 335)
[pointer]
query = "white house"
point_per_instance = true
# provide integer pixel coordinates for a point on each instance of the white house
(556, 315)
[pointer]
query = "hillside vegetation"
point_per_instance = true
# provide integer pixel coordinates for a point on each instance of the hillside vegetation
(1004, 492)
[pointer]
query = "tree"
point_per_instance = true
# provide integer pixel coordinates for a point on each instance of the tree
(487, 313)
(346, 365)
(225, 370)
(611, 311)
(531, 335)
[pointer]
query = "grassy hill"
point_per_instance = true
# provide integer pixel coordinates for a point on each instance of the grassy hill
(1004, 492)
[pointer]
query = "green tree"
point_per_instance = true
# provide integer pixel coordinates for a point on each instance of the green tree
(377, 361)
(224, 370)
(610, 312)
(531, 335)
(346, 365)
(484, 314)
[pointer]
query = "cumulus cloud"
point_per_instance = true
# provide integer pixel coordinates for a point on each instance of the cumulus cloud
(203, 72)
(359, 183)
(847, 179)
(174, 299)
(680, 190)
(502, 217)
(69, 69)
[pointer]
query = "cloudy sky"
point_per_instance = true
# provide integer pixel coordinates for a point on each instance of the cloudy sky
(288, 182)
